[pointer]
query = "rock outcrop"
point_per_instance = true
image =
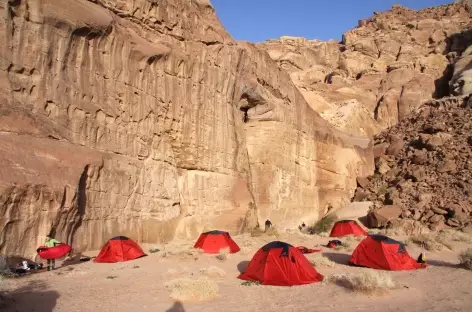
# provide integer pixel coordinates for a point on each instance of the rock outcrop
(145, 118)
(461, 81)
(429, 178)
(382, 70)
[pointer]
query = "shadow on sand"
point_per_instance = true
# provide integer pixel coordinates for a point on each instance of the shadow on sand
(176, 307)
(338, 258)
(33, 296)
(242, 266)
(445, 264)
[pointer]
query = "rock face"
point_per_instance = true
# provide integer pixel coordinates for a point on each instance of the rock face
(382, 70)
(461, 82)
(430, 177)
(146, 119)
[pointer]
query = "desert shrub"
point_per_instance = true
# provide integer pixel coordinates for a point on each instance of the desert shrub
(322, 261)
(111, 277)
(429, 242)
(154, 250)
(185, 289)
(455, 236)
(272, 231)
(256, 232)
(360, 238)
(465, 259)
(250, 283)
(322, 226)
(213, 271)
(369, 281)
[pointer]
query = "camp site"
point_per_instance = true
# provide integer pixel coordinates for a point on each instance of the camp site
(235, 155)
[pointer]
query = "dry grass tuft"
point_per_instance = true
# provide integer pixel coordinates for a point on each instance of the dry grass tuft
(213, 271)
(272, 231)
(257, 232)
(454, 236)
(182, 252)
(369, 281)
(322, 261)
(430, 242)
(185, 289)
(465, 259)
(344, 245)
(441, 240)
(223, 255)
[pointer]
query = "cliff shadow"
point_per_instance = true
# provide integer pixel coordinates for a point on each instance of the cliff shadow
(176, 307)
(339, 258)
(33, 296)
(444, 264)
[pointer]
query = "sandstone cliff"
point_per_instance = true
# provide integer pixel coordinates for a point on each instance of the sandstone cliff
(144, 118)
(382, 70)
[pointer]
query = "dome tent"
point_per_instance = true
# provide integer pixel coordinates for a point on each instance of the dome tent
(347, 227)
(383, 253)
(213, 242)
(280, 264)
(119, 249)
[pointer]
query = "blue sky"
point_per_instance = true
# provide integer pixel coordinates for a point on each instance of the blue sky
(259, 20)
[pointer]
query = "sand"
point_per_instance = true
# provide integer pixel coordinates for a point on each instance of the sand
(140, 285)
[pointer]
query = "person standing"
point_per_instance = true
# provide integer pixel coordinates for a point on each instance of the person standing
(51, 242)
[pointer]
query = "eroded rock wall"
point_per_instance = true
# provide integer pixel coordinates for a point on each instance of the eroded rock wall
(145, 119)
(382, 70)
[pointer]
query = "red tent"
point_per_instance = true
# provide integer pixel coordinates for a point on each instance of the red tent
(118, 249)
(280, 264)
(347, 227)
(383, 253)
(212, 242)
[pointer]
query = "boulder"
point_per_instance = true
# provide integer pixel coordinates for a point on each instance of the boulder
(352, 211)
(419, 158)
(382, 165)
(418, 174)
(453, 222)
(363, 182)
(447, 166)
(438, 226)
(439, 211)
(382, 216)
(395, 147)
(360, 195)
(436, 218)
(416, 215)
(438, 139)
(380, 149)
(407, 227)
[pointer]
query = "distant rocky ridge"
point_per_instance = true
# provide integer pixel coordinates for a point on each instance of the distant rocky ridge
(382, 70)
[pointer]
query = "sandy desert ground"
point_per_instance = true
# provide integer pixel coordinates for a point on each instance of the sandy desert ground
(140, 285)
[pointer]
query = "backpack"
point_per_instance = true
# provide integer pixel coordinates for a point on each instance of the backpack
(334, 243)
